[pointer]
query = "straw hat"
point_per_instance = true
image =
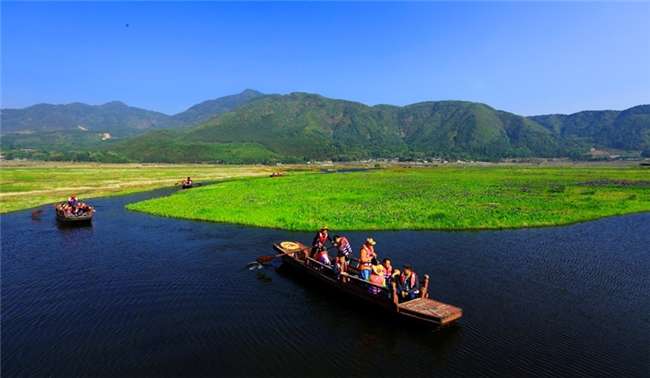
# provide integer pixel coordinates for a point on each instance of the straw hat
(378, 269)
(371, 241)
(325, 227)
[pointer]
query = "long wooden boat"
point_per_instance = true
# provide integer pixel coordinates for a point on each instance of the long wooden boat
(71, 219)
(422, 309)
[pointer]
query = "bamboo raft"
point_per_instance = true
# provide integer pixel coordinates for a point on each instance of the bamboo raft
(422, 309)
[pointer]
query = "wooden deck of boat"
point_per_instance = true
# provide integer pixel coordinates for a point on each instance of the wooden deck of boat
(428, 307)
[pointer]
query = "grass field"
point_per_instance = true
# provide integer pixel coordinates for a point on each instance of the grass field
(27, 185)
(418, 198)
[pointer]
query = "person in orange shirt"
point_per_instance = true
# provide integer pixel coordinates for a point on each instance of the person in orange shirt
(366, 254)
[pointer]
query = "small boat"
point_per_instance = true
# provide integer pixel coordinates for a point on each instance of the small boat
(71, 219)
(422, 309)
(186, 185)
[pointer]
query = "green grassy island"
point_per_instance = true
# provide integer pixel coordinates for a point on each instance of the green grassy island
(417, 198)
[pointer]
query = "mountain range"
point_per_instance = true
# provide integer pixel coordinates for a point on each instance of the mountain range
(114, 117)
(252, 127)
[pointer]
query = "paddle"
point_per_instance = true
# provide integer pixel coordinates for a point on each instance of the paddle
(267, 259)
(263, 260)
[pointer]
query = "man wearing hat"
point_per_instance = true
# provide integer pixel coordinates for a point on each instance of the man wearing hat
(321, 238)
(366, 255)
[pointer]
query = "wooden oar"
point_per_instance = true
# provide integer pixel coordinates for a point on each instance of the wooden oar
(267, 259)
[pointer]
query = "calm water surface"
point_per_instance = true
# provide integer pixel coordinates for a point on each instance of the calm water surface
(137, 295)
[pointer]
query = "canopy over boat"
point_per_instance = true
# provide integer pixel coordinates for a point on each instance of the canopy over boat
(423, 309)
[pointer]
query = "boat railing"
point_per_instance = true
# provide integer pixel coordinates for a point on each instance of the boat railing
(357, 281)
(390, 292)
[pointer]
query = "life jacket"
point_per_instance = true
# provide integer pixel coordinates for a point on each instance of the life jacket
(388, 272)
(320, 239)
(378, 279)
(344, 247)
(411, 281)
(365, 257)
(323, 257)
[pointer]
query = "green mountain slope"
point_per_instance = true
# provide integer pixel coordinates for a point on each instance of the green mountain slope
(302, 126)
(113, 117)
(205, 110)
(251, 127)
(459, 128)
(627, 130)
(307, 126)
(169, 146)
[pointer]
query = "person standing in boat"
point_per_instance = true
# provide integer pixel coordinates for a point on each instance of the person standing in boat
(321, 238)
(340, 266)
(72, 200)
(343, 247)
(366, 254)
(408, 285)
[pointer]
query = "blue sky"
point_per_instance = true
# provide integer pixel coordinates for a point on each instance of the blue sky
(528, 58)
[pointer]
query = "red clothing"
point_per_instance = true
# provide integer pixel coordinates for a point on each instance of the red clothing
(320, 239)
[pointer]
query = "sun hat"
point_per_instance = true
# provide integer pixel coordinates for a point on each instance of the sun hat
(371, 241)
(378, 269)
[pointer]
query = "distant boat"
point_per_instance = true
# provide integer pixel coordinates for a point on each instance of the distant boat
(69, 218)
(422, 309)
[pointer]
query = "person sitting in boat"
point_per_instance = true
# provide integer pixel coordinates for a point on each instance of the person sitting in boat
(408, 285)
(83, 208)
(187, 181)
(366, 255)
(377, 276)
(322, 256)
(321, 238)
(388, 269)
(67, 209)
(343, 247)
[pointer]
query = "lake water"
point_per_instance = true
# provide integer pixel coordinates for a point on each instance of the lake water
(138, 295)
